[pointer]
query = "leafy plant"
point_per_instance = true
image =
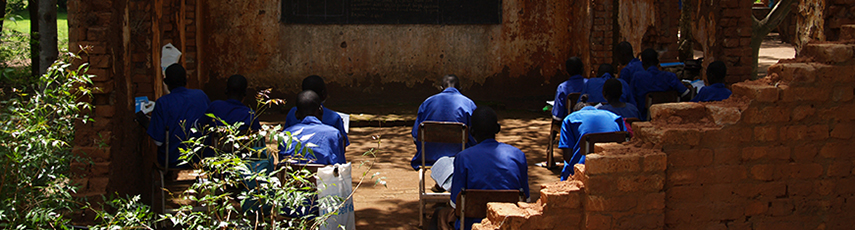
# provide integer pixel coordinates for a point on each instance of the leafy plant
(36, 129)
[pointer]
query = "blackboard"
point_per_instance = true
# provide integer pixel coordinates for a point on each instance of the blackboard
(443, 12)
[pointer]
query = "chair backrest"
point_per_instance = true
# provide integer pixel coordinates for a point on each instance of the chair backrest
(472, 203)
(593, 138)
(652, 98)
(443, 132)
(572, 98)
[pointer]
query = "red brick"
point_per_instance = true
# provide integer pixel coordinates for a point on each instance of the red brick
(642, 221)
(805, 153)
(601, 184)
(828, 52)
(803, 171)
(724, 115)
(100, 61)
(756, 208)
(96, 154)
(794, 133)
(839, 168)
(597, 221)
(802, 112)
(691, 193)
(781, 208)
(843, 130)
(640, 183)
(799, 188)
(600, 164)
(727, 156)
(105, 111)
(100, 169)
(799, 93)
(652, 201)
(766, 133)
(836, 149)
(766, 152)
(689, 212)
(683, 176)
(610, 203)
(723, 174)
(843, 93)
(795, 73)
(825, 187)
(766, 115)
(97, 185)
(103, 87)
(655, 162)
(817, 132)
(559, 200)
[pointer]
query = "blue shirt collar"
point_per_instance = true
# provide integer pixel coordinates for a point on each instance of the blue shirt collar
(653, 69)
(589, 108)
(450, 90)
(310, 120)
(178, 89)
(607, 76)
(490, 140)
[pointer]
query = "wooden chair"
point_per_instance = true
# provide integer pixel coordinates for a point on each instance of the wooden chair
(472, 203)
(660, 97)
(555, 129)
(160, 169)
(592, 138)
(437, 132)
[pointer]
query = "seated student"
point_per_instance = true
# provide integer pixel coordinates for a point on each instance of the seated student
(489, 164)
(630, 64)
(716, 91)
(612, 93)
(328, 148)
(586, 119)
(179, 111)
(653, 80)
(316, 83)
(575, 84)
(449, 105)
(594, 86)
(232, 110)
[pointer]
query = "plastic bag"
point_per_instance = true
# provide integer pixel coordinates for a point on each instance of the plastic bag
(169, 55)
(335, 180)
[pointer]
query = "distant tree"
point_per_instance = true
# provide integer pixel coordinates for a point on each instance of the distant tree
(761, 28)
(33, 8)
(48, 50)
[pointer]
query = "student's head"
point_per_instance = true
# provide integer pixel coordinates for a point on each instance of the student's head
(316, 83)
(624, 52)
(649, 57)
(583, 101)
(176, 76)
(574, 66)
(606, 69)
(716, 72)
(485, 124)
(612, 89)
(450, 81)
(309, 104)
(236, 86)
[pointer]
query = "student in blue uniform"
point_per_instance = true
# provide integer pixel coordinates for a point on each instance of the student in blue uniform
(626, 57)
(316, 83)
(653, 80)
(715, 91)
(586, 120)
(179, 111)
(449, 105)
(575, 84)
(594, 86)
(232, 110)
(612, 93)
(489, 164)
(328, 147)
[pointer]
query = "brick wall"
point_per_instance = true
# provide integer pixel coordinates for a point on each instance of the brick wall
(777, 155)
(837, 14)
(723, 31)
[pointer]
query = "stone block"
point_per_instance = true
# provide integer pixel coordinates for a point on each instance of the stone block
(654, 162)
(828, 52)
(795, 73)
(766, 133)
(105, 111)
(727, 156)
(839, 169)
(724, 115)
(843, 93)
(687, 111)
(594, 221)
(847, 32)
(799, 93)
(690, 158)
(843, 130)
(596, 164)
(756, 91)
(507, 213)
(766, 172)
(611, 203)
(766, 153)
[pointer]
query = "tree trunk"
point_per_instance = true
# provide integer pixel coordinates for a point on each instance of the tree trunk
(33, 8)
(47, 34)
(762, 28)
(686, 44)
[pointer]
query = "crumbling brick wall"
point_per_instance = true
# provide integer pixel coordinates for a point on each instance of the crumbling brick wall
(777, 155)
(723, 31)
(837, 14)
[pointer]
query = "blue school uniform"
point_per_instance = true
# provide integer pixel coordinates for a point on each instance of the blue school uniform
(451, 106)
(631, 68)
(575, 84)
(330, 118)
(654, 80)
(489, 165)
(577, 124)
(628, 111)
(714, 92)
(594, 89)
(328, 150)
(179, 110)
(231, 111)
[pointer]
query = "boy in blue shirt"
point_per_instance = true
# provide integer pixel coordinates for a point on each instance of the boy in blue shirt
(626, 57)
(594, 86)
(324, 140)
(232, 110)
(489, 164)
(316, 83)
(715, 91)
(449, 105)
(178, 111)
(612, 93)
(577, 124)
(653, 80)
(575, 84)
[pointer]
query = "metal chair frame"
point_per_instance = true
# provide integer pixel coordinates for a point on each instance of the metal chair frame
(555, 130)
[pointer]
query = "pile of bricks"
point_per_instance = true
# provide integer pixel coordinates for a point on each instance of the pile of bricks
(777, 155)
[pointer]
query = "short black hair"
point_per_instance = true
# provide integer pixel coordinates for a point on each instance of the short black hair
(574, 66)
(649, 57)
(624, 52)
(315, 83)
(612, 89)
(716, 71)
(485, 121)
(450, 80)
(606, 69)
(308, 102)
(236, 85)
(176, 76)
